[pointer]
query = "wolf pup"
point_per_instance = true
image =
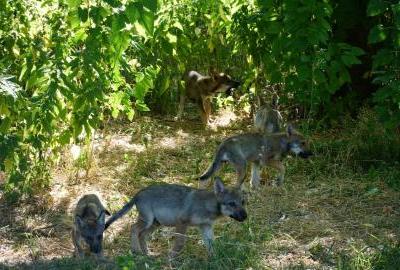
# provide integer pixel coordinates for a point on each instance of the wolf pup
(200, 89)
(180, 207)
(259, 149)
(268, 119)
(88, 227)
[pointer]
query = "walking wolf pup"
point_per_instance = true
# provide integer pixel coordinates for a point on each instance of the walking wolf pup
(259, 149)
(180, 207)
(200, 89)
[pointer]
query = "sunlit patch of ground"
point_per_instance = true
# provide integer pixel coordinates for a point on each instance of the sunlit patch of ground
(306, 223)
(224, 118)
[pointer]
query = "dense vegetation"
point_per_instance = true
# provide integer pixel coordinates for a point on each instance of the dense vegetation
(68, 66)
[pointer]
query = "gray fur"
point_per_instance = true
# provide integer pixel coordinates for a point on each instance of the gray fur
(88, 227)
(180, 207)
(268, 120)
(259, 149)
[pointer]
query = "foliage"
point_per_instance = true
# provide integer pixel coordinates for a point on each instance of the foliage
(387, 257)
(187, 35)
(289, 42)
(386, 62)
(79, 63)
(71, 74)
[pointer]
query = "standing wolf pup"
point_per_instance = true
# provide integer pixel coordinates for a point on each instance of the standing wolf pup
(268, 119)
(180, 206)
(201, 89)
(88, 227)
(260, 149)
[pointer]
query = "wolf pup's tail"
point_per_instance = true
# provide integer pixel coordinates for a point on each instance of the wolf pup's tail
(121, 212)
(213, 167)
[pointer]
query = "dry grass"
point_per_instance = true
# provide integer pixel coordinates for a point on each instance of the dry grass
(322, 212)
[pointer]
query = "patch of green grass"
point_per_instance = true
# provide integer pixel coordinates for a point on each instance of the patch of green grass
(236, 247)
(66, 264)
(385, 258)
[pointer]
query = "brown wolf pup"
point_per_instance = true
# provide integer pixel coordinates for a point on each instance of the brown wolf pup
(180, 207)
(88, 227)
(259, 149)
(200, 89)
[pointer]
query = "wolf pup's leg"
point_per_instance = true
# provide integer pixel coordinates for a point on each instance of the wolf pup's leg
(180, 239)
(76, 240)
(139, 230)
(255, 175)
(182, 98)
(240, 167)
(277, 164)
(208, 237)
(143, 238)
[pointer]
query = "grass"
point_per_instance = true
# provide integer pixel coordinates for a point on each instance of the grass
(334, 211)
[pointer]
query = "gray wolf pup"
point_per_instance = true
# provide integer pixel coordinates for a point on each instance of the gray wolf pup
(259, 149)
(180, 207)
(200, 89)
(88, 227)
(268, 119)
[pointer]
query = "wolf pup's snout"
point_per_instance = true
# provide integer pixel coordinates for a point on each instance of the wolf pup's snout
(305, 154)
(240, 215)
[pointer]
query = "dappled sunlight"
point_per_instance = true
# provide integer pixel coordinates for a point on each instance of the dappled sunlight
(12, 256)
(168, 142)
(223, 119)
(116, 142)
(172, 142)
(288, 226)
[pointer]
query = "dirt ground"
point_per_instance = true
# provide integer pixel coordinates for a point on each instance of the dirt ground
(314, 219)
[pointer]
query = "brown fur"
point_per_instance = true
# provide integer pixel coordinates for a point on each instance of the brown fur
(201, 89)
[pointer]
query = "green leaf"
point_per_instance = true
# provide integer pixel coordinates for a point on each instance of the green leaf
(5, 124)
(65, 137)
(273, 27)
(357, 51)
(377, 34)
(130, 114)
(376, 7)
(147, 20)
(382, 58)
(349, 60)
(132, 12)
(74, 3)
(141, 106)
(150, 4)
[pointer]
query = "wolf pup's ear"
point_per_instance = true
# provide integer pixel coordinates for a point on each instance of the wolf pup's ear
(218, 186)
(102, 216)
